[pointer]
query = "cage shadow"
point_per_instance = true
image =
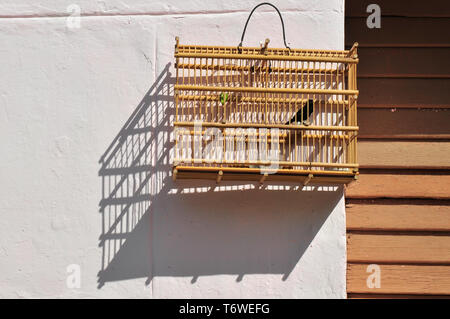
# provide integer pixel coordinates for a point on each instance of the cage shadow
(152, 226)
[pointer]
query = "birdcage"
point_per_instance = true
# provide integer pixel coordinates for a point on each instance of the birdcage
(260, 113)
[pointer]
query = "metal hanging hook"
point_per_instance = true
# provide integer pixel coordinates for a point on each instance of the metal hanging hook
(248, 19)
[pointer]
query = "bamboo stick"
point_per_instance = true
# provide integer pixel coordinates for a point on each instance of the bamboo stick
(353, 51)
(279, 163)
(261, 125)
(267, 170)
(174, 174)
(308, 179)
(210, 48)
(262, 89)
(266, 57)
(247, 68)
(219, 176)
(263, 178)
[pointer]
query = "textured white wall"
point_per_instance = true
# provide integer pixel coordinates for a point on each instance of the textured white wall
(85, 164)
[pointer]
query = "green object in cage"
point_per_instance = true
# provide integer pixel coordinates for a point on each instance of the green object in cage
(223, 98)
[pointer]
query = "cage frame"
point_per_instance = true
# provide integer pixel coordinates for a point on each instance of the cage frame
(302, 172)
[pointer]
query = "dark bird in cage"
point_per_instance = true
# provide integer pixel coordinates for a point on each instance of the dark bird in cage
(303, 114)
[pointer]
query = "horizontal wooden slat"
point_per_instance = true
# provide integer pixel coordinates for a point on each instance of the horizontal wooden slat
(403, 106)
(403, 76)
(398, 31)
(262, 89)
(407, 137)
(393, 296)
(406, 249)
(414, 8)
(404, 153)
(396, 92)
(403, 121)
(395, 185)
(258, 56)
(401, 279)
(427, 62)
(403, 217)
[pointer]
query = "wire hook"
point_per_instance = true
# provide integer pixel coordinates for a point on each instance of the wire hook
(248, 19)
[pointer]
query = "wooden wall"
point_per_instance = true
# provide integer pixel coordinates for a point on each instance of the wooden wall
(398, 212)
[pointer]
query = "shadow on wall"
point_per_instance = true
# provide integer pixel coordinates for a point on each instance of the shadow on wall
(152, 226)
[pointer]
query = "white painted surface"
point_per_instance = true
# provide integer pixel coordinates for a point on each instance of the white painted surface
(65, 94)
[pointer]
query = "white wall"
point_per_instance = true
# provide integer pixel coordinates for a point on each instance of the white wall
(85, 163)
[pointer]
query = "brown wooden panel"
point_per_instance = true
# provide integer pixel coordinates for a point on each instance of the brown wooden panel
(404, 65)
(407, 249)
(426, 62)
(401, 279)
(394, 92)
(395, 185)
(403, 121)
(400, 217)
(415, 8)
(403, 153)
(398, 31)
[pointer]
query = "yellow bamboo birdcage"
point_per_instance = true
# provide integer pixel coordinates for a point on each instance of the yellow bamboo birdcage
(260, 113)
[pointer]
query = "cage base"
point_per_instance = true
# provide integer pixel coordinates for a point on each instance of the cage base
(257, 175)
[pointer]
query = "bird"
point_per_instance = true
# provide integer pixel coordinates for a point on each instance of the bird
(303, 114)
